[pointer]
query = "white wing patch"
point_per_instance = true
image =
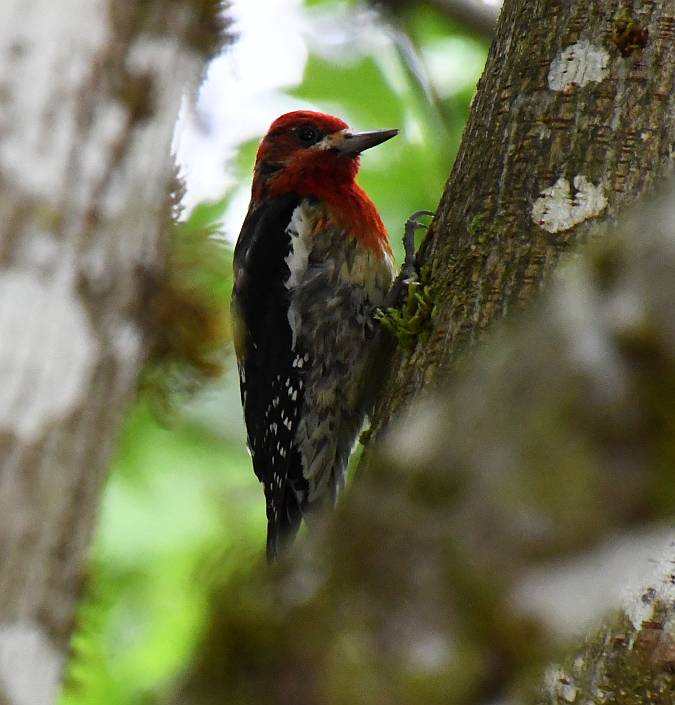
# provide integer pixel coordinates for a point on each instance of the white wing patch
(300, 231)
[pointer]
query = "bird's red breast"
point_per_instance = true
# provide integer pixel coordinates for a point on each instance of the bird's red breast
(316, 155)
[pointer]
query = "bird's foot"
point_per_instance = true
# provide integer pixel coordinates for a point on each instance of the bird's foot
(408, 273)
(409, 270)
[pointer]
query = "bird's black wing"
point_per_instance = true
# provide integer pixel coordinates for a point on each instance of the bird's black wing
(270, 378)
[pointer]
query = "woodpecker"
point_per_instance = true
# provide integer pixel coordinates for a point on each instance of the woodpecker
(311, 264)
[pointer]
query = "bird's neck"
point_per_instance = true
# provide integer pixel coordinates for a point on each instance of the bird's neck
(357, 215)
(349, 204)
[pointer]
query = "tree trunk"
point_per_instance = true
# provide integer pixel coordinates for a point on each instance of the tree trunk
(90, 91)
(573, 121)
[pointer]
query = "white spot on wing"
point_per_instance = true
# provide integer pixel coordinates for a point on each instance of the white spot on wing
(299, 230)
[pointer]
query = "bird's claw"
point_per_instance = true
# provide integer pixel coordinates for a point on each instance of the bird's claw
(409, 271)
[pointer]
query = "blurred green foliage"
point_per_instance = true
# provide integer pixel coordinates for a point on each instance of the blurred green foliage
(179, 508)
(188, 307)
(182, 509)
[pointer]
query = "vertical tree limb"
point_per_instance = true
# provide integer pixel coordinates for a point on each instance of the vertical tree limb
(90, 91)
(573, 121)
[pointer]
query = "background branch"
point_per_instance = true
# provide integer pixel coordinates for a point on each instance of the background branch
(474, 15)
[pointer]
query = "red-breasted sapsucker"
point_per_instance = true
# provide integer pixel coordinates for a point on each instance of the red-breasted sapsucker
(311, 264)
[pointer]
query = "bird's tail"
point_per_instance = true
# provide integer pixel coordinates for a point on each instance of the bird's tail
(282, 530)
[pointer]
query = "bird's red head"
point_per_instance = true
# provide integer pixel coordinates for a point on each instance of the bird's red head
(313, 154)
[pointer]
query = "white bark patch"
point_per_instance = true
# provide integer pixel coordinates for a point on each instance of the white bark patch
(571, 596)
(589, 328)
(560, 685)
(47, 353)
(656, 585)
(577, 65)
(38, 123)
(127, 343)
(556, 210)
(430, 651)
(30, 666)
(40, 251)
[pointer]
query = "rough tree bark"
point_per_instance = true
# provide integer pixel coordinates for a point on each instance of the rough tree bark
(89, 93)
(573, 121)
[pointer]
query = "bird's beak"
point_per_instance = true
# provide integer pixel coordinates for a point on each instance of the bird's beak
(357, 142)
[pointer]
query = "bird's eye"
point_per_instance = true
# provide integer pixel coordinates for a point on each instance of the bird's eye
(308, 135)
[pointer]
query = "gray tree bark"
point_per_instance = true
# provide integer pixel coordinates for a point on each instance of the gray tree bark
(90, 92)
